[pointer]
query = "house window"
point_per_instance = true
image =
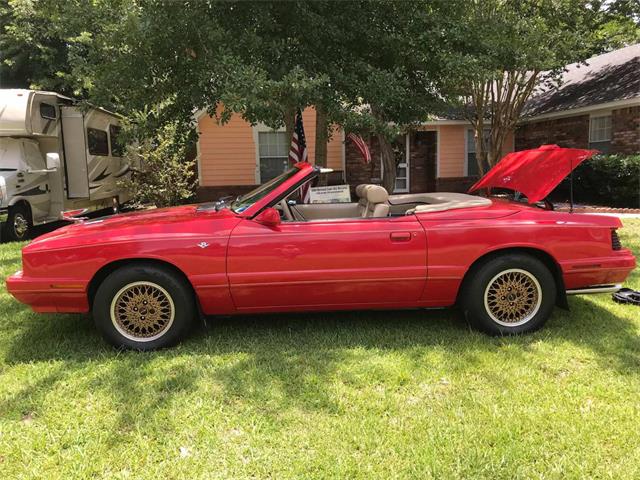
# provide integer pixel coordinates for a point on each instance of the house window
(117, 149)
(97, 142)
(274, 154)
(600, 133)
(472, 164)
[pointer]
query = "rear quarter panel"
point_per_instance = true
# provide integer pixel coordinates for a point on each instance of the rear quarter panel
(579, 244)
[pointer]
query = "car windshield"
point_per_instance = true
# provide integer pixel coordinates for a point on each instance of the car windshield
(240, 204)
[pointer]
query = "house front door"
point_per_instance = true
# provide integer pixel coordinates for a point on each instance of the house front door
(423, 149)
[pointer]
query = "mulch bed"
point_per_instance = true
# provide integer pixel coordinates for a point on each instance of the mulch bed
(564, 207)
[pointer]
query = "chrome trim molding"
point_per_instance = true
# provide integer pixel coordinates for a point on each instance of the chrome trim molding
(595, 289)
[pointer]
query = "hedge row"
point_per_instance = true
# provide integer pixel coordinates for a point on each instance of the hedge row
(608, 180)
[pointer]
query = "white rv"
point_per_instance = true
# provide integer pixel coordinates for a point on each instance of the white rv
(55, 157)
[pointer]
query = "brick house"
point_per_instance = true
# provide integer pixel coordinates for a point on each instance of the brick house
(597, 106)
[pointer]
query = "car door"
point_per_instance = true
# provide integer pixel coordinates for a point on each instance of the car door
(343, 263)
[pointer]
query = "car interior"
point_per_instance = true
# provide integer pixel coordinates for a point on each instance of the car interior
(375, 202)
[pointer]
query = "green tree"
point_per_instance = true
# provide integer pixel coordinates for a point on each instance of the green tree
(372, 67)
(165, 172)
(384, 61)
(618, 24)
(509, 48)
(46, 44)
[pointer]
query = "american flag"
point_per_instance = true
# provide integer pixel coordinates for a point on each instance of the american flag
(298, 152)
(362, 147)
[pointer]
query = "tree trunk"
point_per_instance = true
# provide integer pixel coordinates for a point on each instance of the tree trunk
(388, 163)
(494, 153)
(481, 150)
(321, 136)
(498, 103)
(289, 121)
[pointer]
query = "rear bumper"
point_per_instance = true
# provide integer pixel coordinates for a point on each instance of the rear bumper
(591, 274)
(595, 289)
(49, 295)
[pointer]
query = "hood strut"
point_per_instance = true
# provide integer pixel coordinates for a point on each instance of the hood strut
(571, 188)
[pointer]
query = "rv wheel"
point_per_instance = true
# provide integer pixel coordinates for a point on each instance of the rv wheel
(18, 226)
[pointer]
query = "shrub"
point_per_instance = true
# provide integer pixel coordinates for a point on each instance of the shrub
(165, 174)
(610, 180)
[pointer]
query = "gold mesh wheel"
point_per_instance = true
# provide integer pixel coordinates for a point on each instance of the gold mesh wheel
(142, 311)
(513, 297)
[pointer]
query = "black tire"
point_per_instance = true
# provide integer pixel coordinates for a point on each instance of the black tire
(522, 278)
(19, 223)
(126, 289)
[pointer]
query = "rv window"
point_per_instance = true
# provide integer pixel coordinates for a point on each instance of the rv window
(97, 141)
(117, 149)
(47, 111)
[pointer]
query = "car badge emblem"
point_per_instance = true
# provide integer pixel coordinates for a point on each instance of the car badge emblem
(203, 244)
(506, 179)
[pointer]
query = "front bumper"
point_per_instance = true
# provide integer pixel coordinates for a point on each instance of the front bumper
(49, 295)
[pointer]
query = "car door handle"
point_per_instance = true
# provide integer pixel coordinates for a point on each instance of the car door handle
(400, 236)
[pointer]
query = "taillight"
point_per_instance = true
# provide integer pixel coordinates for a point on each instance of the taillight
(615, 240)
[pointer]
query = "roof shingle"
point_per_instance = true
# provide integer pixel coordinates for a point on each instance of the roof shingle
(606, 78)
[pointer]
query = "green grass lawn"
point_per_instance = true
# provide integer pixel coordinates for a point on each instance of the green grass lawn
(402, 394)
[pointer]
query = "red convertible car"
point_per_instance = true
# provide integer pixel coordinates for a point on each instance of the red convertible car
(146, 276)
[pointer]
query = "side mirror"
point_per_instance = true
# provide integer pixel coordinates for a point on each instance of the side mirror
(269, 217)
(53, 161)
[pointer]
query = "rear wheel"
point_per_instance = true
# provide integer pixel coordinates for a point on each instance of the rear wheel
(19, 225)
(510, 294)
(143, 307)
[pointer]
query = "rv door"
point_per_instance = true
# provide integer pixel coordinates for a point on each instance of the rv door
(75, 152)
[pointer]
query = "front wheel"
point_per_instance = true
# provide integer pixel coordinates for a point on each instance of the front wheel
(509, 294)
(19, 225)
(143, 307)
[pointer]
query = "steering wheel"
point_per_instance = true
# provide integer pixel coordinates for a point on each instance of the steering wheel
(287, 212)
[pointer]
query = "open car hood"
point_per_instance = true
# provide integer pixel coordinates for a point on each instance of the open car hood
(535, 173)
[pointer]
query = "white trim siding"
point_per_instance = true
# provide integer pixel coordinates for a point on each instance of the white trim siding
(630, 102)
(256, 152)
(198, 166)
(437, 154)
(435, 123)
(344, 156)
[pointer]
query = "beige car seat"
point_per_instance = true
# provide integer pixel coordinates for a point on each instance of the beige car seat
(361, 193)
(377, 202)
